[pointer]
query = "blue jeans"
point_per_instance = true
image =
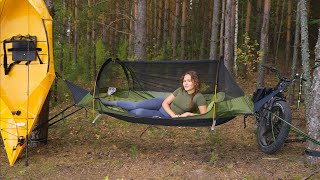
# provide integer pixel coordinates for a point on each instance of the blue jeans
(147, 108)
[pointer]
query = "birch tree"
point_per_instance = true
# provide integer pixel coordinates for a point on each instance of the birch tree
(227, 37)
(305, 51)
(311, 87)
(235, 41)
(313, 113)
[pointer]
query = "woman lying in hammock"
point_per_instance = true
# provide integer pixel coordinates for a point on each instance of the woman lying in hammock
(181, 103)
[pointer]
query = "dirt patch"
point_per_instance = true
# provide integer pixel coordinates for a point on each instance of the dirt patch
(117, 149)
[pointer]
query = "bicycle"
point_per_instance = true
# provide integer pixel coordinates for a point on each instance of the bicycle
(273, 113)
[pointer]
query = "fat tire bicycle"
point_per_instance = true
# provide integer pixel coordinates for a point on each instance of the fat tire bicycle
(274, 117)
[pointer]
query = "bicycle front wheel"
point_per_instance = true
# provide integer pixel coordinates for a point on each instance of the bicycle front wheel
(272, 130)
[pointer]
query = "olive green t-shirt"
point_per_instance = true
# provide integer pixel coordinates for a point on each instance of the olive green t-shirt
(181, 101)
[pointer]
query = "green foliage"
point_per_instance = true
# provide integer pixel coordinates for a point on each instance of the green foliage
(248, 56)
(122, 51)
(163, 53)
(153, 54)
(101, 53)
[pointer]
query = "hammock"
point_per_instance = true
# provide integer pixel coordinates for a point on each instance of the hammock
(141, 80)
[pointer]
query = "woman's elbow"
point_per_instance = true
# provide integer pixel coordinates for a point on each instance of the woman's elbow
(203, 109)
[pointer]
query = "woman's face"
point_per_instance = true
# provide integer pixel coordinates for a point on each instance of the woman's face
(188, 84)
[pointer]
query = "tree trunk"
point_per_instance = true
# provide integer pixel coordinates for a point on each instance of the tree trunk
(312, 124)
(150, 25)
(248, 16)
(288, 37)
(75, 31)
(259, 18)
(227, 37)
(221, 52)
(275, 32)
(279, 33)
(132, 28)
(104, 32)
(183, 29)
(235, 41)
(61, 38)
(160, 11)
(313, 113)
(204, 28)
(295, 52)
(214, 30)
(116, 35)
(50, 7)
(109, 20)
(305, 52)
(93, 45)
(175, 30)
(264, 41)
(89, 36)
(165, 23)
(61, 55)
(140, 39)
(40, 136)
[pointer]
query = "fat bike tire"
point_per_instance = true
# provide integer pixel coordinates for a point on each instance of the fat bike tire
(272, 131)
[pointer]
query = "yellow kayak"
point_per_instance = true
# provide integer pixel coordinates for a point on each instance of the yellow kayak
(26, 69)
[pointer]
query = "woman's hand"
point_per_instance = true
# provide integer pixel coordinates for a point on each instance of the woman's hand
(186, 114)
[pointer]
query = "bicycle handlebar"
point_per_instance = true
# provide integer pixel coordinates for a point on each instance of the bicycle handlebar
(279, 75)
(274, 70)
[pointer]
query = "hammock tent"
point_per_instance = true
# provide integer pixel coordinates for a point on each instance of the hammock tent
(141, 80)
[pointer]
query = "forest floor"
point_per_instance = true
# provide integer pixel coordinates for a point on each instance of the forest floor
(114, 149)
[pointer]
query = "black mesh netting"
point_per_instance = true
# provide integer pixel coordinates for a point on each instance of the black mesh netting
(164, 76)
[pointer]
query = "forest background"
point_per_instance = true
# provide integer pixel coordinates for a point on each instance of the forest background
(87, 32)
(246, 33)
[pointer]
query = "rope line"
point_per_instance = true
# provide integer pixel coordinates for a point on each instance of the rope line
(298, 131)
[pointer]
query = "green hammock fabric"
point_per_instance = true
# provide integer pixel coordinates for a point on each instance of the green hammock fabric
(140, 80)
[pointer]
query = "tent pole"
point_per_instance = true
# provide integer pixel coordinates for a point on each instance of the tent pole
(215, 96)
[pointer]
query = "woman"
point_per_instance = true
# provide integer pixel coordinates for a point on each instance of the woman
(181, 103)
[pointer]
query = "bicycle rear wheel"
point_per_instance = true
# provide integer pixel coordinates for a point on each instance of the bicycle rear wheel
(272, 131)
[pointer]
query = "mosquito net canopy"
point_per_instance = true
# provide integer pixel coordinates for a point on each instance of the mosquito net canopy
(141, 80)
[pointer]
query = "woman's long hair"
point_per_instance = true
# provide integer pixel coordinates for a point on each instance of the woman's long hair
(196, 82)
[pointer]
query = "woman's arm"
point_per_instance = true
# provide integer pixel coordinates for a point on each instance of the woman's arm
(202, 109)
(166, 106)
